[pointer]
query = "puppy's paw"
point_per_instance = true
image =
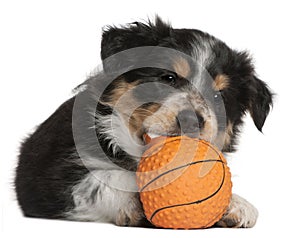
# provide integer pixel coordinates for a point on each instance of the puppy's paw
(240, 213)
(131, 214)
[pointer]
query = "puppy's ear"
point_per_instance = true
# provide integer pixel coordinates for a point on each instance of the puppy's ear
(136, 34)
(260, 102)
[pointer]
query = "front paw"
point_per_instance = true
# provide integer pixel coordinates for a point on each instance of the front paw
(240, 213)
(132, 214)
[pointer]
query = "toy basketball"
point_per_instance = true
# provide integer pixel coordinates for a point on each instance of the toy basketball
(184, 183)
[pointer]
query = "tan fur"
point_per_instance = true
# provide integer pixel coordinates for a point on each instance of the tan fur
(122, 100)
(181, 67)
(161, 121)
(139, 115)
(209, 129)
(223, 138)
(119, 91)
(221, 82)
(228, 133)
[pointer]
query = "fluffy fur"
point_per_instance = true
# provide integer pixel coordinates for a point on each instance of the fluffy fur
(53, 180)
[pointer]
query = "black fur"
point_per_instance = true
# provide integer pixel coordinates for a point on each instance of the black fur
(46, 170)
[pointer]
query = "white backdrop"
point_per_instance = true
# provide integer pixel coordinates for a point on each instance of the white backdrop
(49, 47)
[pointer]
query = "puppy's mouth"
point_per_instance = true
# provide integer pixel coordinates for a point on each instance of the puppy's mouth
(147, 137)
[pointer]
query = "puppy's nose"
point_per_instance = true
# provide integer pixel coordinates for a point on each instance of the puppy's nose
(189, 121)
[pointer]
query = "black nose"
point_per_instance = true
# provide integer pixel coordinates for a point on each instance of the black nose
(189, 121)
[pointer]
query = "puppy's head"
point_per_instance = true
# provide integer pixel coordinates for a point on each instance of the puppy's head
(195, 85)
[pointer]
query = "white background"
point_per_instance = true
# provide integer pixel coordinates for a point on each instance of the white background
(48, 47)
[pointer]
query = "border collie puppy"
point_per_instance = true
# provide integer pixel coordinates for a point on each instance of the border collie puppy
(80, 163)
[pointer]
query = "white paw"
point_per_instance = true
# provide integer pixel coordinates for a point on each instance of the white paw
(240, 213)
(131, 214)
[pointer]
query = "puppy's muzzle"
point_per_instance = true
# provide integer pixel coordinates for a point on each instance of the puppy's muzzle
(189, 122)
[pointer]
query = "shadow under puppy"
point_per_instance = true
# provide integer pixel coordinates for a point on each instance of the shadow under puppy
(175, 81)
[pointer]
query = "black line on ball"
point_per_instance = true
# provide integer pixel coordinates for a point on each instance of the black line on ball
(195, 202)
(179, 167)
(176, 168)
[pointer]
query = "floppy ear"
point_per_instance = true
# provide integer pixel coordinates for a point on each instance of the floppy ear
(260, 102)
(136, 34)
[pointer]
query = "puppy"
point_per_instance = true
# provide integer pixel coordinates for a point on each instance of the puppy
(79, 164)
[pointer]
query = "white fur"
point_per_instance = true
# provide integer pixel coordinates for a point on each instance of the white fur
(240, 213)
(159, 123)
(113, 128)
(203, 54)
(103, 195)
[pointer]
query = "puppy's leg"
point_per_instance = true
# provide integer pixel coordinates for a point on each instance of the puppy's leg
(107, 196)
(240, 213)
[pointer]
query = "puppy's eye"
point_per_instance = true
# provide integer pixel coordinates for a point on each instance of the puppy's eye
(218, 98)
(169, 77)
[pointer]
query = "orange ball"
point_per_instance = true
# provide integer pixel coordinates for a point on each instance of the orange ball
(184, 183)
